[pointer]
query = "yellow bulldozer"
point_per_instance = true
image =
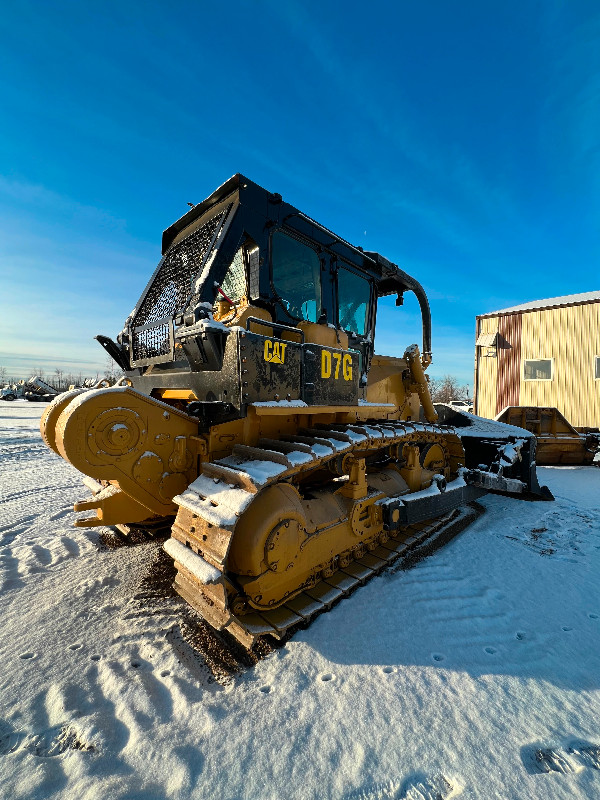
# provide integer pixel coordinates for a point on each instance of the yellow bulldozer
(257, 424)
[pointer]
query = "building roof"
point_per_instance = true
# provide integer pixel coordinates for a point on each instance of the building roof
(551, 302)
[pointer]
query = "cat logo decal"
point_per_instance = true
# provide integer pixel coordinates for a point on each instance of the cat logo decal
(275, 352)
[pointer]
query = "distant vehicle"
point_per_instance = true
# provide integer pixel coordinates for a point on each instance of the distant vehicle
(13, 391)
(462, 405)
(37, 390)
(34, 390)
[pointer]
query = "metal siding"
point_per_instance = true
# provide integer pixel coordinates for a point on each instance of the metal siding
(487, 372)
(476, 367)
(509, 361)
(571, 337)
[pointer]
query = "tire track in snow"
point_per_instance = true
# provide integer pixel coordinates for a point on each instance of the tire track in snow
(419, 787)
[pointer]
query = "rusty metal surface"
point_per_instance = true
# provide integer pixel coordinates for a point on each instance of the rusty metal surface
(270, 368)
(486, 371)
(509, 361)
(327, 379)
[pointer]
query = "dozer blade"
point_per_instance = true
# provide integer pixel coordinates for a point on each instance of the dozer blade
(558, 442)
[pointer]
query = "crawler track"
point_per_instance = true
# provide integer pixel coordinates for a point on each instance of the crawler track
(225, 657)
(210, 508)
(417, 542)
(201, 648)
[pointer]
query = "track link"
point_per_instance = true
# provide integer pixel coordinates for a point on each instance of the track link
(415, 543)
(211, 506)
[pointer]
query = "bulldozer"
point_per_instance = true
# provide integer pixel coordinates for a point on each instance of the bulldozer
(287, 461)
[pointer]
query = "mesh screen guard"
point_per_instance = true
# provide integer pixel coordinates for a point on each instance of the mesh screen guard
(171, 291)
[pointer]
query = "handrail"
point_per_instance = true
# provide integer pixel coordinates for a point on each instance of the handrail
(267, 324)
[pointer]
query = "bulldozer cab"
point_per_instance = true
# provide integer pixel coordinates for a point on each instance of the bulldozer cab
(253, 301)
(326, 299)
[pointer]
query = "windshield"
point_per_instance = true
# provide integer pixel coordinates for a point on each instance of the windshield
(296, 277)
(354, 293)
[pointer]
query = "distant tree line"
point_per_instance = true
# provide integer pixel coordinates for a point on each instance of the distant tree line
(448, 388)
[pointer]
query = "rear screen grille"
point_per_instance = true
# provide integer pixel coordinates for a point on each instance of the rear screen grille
(171, 290)
(152, 342)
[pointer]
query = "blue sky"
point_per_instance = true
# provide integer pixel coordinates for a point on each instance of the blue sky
(460, 140)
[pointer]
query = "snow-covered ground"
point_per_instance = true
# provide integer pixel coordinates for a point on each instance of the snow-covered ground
(438, 682)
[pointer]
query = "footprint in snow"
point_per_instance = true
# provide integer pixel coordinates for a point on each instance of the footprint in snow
(54, 742)
(588, 754)
(48, 744)
(548, 759)
(490, 650)
(27, 656)
(387, 670)
(10, 742)
(593, 616)
(564, 760)
(265, 689)
(566, 628)
(74, 647)
(327, 676)
(438, 656)
(438, 788)
(418, 787)
(42, 554)
(70, 545)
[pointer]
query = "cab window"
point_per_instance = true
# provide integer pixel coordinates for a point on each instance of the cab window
(233, 286)
(234, 282)
(296, 277)
(354, 294)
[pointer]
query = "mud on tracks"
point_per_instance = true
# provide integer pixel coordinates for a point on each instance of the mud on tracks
(208, 655)
(213, 656)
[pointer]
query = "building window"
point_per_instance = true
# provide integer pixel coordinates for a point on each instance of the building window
(539, 369)
(597, 373)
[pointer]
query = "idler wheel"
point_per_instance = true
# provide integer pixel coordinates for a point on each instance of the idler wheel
(269, 533)
(283, 544)
(433, 457)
